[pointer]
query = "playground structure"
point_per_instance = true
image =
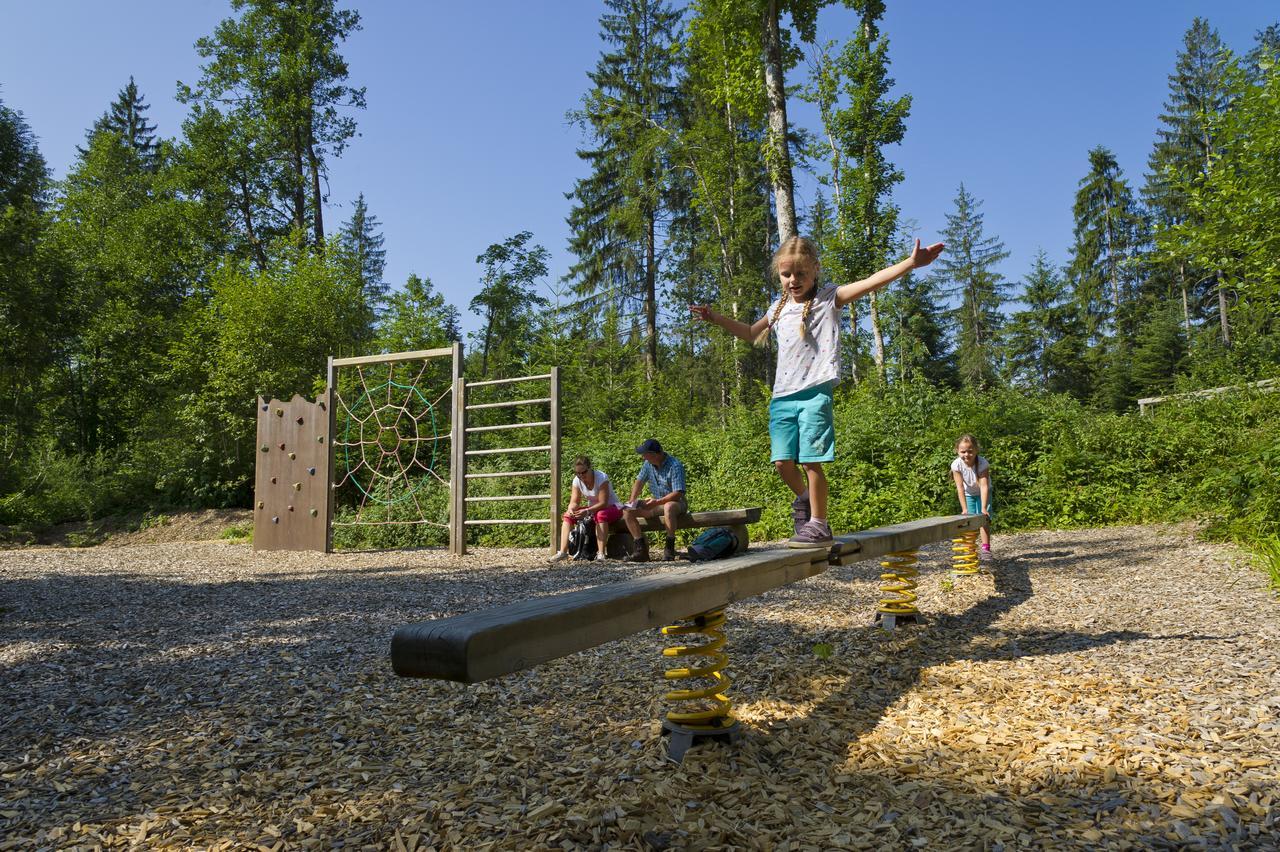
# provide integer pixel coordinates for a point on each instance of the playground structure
(380, 435)
(490, 643)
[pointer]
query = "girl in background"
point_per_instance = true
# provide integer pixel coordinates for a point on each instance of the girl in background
(972, 475)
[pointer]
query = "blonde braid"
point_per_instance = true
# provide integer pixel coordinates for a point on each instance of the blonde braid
(773, 320)
(804, 315)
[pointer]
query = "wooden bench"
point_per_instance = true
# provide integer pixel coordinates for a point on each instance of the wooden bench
(735, 519)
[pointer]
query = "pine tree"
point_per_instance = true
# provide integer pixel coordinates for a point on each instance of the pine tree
(126, 118)
(32, 300)
(362, 239)
(1107, 235)
(968, 267)
(1266, 50)
(916, 344)
(618, 208)
(1044, 344)
(1181, 160)
(1159, 352)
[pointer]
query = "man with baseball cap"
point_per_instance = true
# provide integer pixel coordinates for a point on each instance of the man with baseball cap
(664, 474)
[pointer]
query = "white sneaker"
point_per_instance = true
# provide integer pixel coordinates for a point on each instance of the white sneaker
(600, 557)
(559, 557)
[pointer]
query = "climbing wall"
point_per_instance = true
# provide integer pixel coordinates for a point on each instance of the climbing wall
(291, 484)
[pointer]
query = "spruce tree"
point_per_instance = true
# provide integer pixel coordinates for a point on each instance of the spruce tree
(1044, 344)
(1187, 142)
(32, 300)
(361, 238)
(1159, 352)
(1108, 230)
(126, 119)
(618, 209)
(967, 270)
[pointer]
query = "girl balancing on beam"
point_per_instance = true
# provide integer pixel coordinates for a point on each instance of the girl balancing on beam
(806, 320)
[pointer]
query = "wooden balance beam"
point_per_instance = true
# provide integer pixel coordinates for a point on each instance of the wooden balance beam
(489, 643)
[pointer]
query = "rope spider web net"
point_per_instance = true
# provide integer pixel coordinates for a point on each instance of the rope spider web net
(388, 448)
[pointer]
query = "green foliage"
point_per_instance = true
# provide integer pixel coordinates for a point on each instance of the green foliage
(262, 333)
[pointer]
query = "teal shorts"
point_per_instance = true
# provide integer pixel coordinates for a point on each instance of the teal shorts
(801, 427)
(974, 502)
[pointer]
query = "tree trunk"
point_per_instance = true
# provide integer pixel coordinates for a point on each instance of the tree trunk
(650, 302)
(299, 189)
(1222, 312)
(1186, 311)
(779, 153)
(877, 336)
(316, 198)
(246, 210)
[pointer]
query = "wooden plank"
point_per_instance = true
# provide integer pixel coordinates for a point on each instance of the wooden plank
(475, 429)
(482, 645)
(514, 402)
(721, 518)
(874, 543)
(509, 381)
(507, 473)
(478, 521)
(509, 497)
(504, 450)
(392, 357)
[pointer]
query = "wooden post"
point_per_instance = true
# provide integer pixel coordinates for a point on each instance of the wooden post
(555, 459)
(331, 396)
(458, 471)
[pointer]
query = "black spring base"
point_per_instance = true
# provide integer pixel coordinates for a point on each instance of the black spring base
(890, 620)
(681, 737)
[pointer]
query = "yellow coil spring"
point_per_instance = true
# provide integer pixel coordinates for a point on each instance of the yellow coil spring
(717, 715)
(898, 582)
(964, 553)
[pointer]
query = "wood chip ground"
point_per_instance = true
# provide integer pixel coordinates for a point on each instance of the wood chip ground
(1111, 688)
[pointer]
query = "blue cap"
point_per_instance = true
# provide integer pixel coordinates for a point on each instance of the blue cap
(649, 446)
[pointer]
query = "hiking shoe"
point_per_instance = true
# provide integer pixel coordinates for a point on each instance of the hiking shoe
(813, 534)
(559, 557)
(669, 551)
(800, 511)
(600, 557)
(639, 552)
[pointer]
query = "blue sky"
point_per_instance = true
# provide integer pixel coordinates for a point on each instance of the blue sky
(465, 140)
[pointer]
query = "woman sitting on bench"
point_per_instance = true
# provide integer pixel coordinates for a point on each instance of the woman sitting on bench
(590, 487)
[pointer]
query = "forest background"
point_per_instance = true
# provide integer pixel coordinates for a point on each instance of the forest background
(149, 295)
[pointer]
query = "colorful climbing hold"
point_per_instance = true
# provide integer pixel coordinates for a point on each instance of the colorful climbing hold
(279, 412)
(299, 421)
(265, 448)
(293, 455)
(311, 470)
(297, 486)
(276, 519)
(315, 512)
(282, 446)
(273, 480)
(261, 504)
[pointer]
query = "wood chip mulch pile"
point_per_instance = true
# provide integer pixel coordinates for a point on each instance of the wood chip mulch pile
(1113, 688)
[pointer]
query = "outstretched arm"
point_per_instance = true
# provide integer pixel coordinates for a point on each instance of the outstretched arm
(735, 327)
(919, 257)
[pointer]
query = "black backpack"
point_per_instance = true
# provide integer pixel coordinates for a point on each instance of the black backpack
(713, 543)
(582, 538)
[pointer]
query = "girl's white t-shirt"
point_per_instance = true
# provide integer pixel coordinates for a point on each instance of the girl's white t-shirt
(969, 475)
(602, 479)
(806, 360)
